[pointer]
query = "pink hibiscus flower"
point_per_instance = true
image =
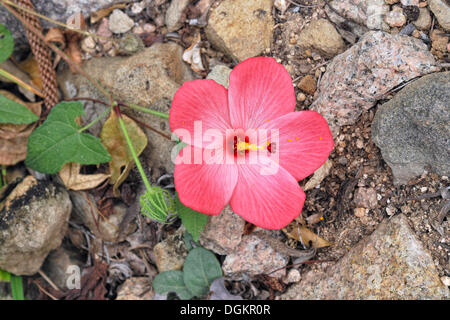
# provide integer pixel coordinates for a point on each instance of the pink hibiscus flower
(261, 98)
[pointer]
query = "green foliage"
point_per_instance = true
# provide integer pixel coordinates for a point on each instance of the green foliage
(172, 281)
(157, 204)
(201, 268)
(16, 287)
(14, 112)
(6, 43)
(194, 221)
(5, 276)
(60, 140)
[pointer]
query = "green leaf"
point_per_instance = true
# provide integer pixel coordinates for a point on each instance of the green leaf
(16, 287)
(194, 221)
(172, 281)
(201, 268)
(6, 43)
(5, 276)
(59, 140)
(14, 112)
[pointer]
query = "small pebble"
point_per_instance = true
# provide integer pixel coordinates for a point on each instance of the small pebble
(301, 97)
(360, 212)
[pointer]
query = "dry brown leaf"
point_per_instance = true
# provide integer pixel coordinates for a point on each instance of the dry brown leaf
(319, 175)
(114, 141)
(31, 67)
(14, 137)
(100, 14)
(74, 180)
(307, 237)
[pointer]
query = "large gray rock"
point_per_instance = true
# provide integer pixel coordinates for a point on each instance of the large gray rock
(55, 9)
(390, 264)
(33, 221)
(149, 78)
(413, 129)
(364, 73)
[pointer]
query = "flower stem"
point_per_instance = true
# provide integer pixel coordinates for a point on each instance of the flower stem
(100, 117)
(16, 80)
(146, 110)
(133, 152)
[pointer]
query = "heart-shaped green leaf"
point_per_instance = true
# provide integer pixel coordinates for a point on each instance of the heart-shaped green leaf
(172, 281)
(59, 140)
(194, 221)
(6, 43)
(14, 112)
(201, 268)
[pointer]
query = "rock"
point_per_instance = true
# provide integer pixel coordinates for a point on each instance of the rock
(357, 78)
(104, 227)
(389, 264)
(120, 22)
(220, 74)
(254, 256)
(410, 2)
(139, 288)
(359, 13)
(322, 36)
(391, 1)
(150, 79)
(55, 9)
(174, 13)
(360, 212)
(441, 10)
(58, 266)
(281, 5)
(439, 40)
(395, 18)
(171, 253)
(241, 29)
(366, 198)
(293, 276)
(223, 233)
(308, 84)
(412, 129)
(33, 221)
(424, 20)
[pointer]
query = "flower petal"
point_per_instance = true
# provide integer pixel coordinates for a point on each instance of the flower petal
(260, 89)
(204, 187)
(268, 201)
(305, 142)
(199, 100)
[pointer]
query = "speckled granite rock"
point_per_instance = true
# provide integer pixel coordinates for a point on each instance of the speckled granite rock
(413, 129)
(368, 15)
(56, 9)
(33, 222)
(148, 78)
(390, 264)
(241, 29)
(357, 78)
(174, 13)
(220, 74)
(223, 233)
(254, 256)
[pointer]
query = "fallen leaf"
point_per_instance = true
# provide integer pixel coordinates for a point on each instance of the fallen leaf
(74, 180)
(193, 56)
(14, 137)
(319, 175)
(114, 141)
(307, 237)
(102, 13)
(31, 67)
